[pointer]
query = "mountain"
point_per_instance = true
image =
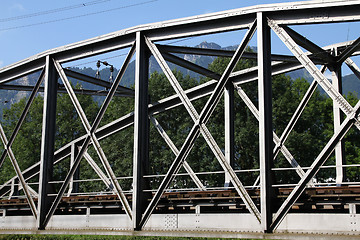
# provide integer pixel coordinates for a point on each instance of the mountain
(350, 82)
(203, 61)
(8, 97)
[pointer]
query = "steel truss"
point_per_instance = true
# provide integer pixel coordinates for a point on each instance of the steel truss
(143, 42)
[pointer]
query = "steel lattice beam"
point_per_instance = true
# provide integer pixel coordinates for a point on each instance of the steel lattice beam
(199, 126)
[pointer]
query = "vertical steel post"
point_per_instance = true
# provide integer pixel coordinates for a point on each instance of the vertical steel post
(338, 118)
(14, 188)
(47, 141)
(74, 186)
(265, 119)
(141, 130)
(229, 128)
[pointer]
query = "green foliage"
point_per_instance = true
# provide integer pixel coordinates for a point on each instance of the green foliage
(118, 147)
(312, 131)
(352, 148)
(27, 145)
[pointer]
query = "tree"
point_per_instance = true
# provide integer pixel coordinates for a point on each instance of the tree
(27, 145)
(310, 134)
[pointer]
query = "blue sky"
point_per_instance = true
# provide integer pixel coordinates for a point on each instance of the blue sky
(18, 40)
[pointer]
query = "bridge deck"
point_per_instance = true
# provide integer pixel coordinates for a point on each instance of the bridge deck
(315, 200)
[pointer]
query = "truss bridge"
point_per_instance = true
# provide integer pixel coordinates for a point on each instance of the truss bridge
(223, 157)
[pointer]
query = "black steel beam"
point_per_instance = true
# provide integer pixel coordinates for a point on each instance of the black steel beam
(265, 120)
(47, 142)
(220, 53)
(63, 90)
(141, 130)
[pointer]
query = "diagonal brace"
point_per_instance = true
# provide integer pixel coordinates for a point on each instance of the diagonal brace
(200, 125)
(313, 70)
(18, 172)
(348, 51)
(189, 65)
(8, 144)
(98, 171)
(91, 130)
(91, 136)
(276, 139)
(23, 115)
(172, 146)
(315, 167)
(309, 45)
(304, 101)
(354, 68)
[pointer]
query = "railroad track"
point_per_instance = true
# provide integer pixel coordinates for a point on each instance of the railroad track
(316, 199)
